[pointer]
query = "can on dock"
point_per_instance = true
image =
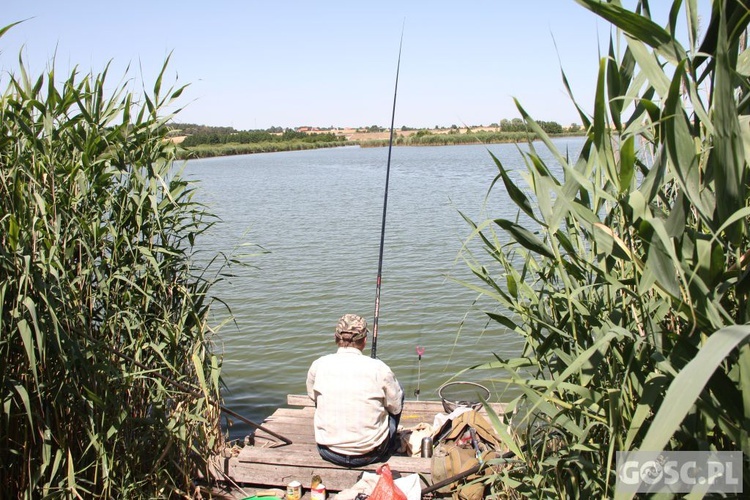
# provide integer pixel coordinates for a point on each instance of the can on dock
(294, 490)
(318, 492)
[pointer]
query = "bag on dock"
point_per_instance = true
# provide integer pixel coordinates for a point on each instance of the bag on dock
(386, 489)
(471, 439)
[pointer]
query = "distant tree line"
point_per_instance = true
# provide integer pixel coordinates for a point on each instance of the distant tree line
(197, 135)
(427, 138)
(518, 125)
(204, 140)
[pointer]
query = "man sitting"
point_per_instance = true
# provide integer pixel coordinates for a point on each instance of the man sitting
(358, 400)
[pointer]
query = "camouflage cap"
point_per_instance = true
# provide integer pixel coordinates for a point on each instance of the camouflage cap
(355, 326)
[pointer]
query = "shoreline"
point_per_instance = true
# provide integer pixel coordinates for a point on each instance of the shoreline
(365, 140)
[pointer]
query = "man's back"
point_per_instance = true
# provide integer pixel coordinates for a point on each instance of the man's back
(357, 400)
(354, 395)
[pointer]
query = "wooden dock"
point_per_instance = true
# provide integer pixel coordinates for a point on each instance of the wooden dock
(269, 463)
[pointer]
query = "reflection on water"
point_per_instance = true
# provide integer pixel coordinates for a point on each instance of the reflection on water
(318, 216)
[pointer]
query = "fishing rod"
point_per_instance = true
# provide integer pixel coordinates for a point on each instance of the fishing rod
(374, 349)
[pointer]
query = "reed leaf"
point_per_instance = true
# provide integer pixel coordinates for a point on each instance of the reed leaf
(727, 157)
(525, 237)
(637, 26)
(518, 197)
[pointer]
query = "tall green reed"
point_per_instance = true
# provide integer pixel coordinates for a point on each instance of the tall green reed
(627, 273)
(98, 281)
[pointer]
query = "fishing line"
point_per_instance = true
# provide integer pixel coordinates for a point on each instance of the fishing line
(373, 352)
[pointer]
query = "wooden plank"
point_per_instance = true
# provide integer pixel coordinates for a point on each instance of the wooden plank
(302, 400)
(301, 455)
(290, 412)
(289, 419)
(300, 447)
(263, 439)
(311, 448)
(302, 432)
(300, 427)
(409, 405)
(279, 475)
(304, 426)
(411, 419)
(299, 400)
(292, 432)
(408, 417)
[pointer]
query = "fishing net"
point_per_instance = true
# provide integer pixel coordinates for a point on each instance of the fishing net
(462, 394)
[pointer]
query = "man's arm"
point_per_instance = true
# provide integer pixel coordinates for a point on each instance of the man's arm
(311, 381)
(394, 394)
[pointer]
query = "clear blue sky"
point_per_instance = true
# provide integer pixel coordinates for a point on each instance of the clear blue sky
(255, 64)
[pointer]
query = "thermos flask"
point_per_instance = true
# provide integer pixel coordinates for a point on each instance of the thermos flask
(426, 447)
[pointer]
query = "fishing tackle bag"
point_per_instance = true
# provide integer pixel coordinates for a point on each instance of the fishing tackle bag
(456, 453)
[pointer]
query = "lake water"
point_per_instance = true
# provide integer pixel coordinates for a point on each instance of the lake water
(317, 217)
